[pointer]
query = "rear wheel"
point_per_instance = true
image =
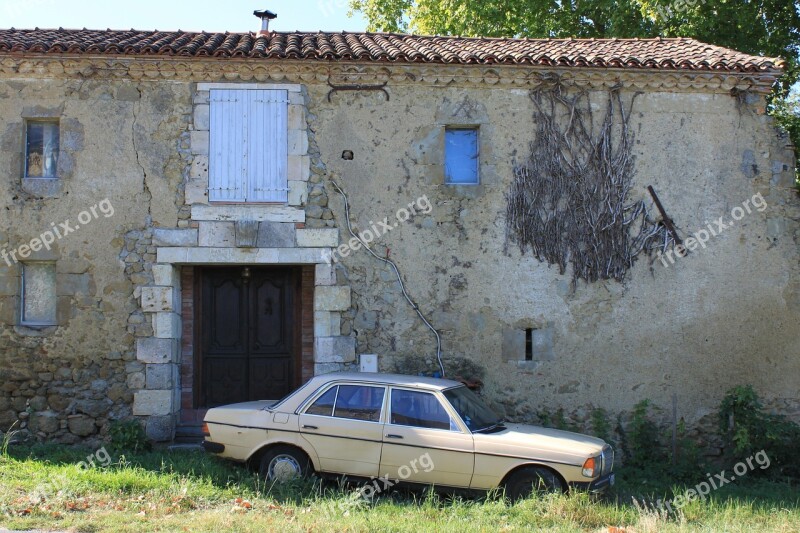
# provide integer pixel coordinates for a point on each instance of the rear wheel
(283, 463)
(532, 480)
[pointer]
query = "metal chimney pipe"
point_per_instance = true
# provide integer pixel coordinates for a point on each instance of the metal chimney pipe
(265, 17)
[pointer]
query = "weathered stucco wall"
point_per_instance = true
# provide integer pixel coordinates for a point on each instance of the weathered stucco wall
(723, 316)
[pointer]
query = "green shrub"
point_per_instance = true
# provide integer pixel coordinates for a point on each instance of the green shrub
(747, 429)
(128, 436)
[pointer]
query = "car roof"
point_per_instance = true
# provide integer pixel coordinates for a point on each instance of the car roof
(422, 382)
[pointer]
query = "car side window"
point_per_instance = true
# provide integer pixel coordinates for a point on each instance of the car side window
(324, 404)
(359, 402)
(419, 409)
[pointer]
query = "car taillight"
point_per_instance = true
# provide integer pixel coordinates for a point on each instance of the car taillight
(591, 467)
(206, 432)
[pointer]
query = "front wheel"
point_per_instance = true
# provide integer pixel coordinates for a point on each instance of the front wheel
(527, 481)
(283, 464)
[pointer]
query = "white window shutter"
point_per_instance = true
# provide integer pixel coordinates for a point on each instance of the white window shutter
(228, 150)
(268, 147)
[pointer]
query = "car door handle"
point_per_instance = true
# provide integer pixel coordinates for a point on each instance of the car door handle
(393, 436)
(310, 427)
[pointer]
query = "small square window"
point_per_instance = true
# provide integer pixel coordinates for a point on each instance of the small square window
(41, 149)
(38, 294)
(461, 156)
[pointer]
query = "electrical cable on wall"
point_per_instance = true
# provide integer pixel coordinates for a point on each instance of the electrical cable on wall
(414, 306)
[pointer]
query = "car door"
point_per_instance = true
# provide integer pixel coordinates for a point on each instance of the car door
(423, 442)
(344, 426)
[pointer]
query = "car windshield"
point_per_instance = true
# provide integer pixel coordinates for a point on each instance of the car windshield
(472, 410)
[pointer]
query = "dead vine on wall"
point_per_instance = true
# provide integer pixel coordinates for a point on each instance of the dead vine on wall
(569, 202)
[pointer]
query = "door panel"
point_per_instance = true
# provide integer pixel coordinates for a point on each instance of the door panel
(247, 334)
(346, 434)
(440, 454)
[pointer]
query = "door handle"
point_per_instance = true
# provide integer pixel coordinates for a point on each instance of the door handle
(393, 436)
(310, 427)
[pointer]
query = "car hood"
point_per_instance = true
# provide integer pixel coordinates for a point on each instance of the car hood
(237, 413)
(534, 442)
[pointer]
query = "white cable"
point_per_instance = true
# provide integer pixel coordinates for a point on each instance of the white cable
(414, 306)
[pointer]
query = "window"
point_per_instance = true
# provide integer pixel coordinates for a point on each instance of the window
(38, 294)
(41, 149)
(461, 156)
(248, 157)
(350, 401)
(419, 409)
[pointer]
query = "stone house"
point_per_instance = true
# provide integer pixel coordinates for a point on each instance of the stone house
(173, 237)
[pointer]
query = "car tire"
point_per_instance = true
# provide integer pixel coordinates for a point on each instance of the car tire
(284, 463)
(532, 480)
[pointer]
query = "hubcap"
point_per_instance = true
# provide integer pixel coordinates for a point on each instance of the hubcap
(283, 468)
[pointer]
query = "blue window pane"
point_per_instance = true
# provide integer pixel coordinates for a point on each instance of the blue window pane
(461, 156)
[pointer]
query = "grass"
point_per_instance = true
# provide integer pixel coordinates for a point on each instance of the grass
(42, 487)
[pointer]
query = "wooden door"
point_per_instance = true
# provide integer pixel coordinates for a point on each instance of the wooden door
(247, 334)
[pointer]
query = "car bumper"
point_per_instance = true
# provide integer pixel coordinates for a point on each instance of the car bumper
(596, 486)
(213, 447)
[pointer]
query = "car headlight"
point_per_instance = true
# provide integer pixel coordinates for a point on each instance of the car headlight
(592, 467)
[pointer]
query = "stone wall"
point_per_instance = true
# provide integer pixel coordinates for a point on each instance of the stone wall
(137, 134)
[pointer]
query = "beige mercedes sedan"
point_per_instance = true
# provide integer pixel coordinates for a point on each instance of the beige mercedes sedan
(407, 429)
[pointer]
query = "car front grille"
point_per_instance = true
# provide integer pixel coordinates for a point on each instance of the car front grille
(608, 460)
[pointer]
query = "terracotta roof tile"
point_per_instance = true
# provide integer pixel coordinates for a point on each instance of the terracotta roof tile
(658, 54)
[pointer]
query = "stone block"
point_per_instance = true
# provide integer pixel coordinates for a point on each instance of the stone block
(157, 299)
(152, 403)
(153, 350)
(276, 235)
(325, 274)
(175, 237)
(297, 117)
(217, 234)
(327, 368)
(81, 425)
(543, 344)
(334, 349)
(44, 421)
(318, 238)
(513, 344)
(160, 428)
(298, 142)
(164, 275)
(247, 233)
(201, 117)
(299, 167)
(159, 377)
(331, 298)
(9, 285)
(298, 193)
(196, 192)
(262, 213)
(327, 324)
(199, 141)
(167, 325)
(198, 170)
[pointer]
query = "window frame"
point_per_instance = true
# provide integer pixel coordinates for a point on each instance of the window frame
(26, 142)
(477, 156)
(22, 297)
(381, 415)
(460, 426)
